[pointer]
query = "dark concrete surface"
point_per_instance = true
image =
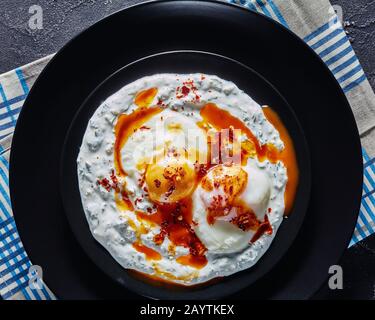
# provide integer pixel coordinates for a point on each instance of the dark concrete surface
(359, 15)
(63, 19)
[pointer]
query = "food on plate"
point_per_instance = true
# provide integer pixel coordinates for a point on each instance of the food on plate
(185, 178)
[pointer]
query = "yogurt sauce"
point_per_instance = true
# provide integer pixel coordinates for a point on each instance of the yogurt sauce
(118, 230)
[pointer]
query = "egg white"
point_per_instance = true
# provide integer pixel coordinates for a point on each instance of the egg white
(166, 130)
(223, 237)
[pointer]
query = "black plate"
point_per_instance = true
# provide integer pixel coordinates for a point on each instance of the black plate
(183, 62)
(265, 46)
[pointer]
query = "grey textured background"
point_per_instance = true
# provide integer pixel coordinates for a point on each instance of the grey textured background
(360, 15)
(63, 19)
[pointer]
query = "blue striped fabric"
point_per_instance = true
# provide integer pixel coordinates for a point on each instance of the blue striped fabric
(14, 263)
(266, 7)
(333, 46)
(366, 219)
(328, 40)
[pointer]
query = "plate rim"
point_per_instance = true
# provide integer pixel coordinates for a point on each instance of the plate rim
(103, 20)
(86, 104)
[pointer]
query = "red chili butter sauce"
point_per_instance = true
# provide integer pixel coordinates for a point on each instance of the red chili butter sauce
(149, 253)
(175, 221)
(121, 197)
(197, 262)
(287, 156)
(128, 123)
(125, 127)
(143, 99)
(264, 228)
(222, 119)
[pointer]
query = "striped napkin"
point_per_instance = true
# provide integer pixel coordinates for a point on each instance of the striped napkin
(314, 21)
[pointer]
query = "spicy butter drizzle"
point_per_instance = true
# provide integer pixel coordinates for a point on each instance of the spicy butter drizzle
(149, 253)
(174, 219)
(144, 98)
(125, 127)
(287, 156)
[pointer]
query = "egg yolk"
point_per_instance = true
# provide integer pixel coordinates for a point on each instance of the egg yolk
(226, 183)
(232, 179)
(170, 180)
